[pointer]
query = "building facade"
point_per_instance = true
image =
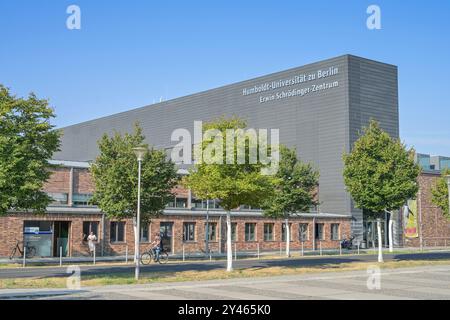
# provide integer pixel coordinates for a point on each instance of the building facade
(319, 109)
(70, 219)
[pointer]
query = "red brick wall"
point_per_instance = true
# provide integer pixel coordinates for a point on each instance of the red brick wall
(59, 181)
(435, 227)
(82, 181)
(11, 227)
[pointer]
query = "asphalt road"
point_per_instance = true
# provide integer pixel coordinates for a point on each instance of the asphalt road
(427, 282)
(46, 272)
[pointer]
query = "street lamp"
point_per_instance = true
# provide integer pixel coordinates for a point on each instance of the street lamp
(140, 152)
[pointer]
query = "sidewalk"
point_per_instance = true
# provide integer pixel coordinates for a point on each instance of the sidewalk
(213, 256)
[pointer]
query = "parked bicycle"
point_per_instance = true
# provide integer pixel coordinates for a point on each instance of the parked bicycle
(149, 256)
(31, 251)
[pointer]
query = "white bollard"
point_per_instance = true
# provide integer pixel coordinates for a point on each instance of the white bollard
(340, 249)
(210, 256)
(258, 249)
(94, 254)
(281, 249)
(183, 253)
(320, 247)
(303, 251)
(235, 252)
(60, 256)
(24, 256)
(126, 254)
(358, 247)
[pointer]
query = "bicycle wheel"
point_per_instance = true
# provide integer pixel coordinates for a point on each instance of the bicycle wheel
(31, 252)
(146, 258)
(13, 253)
(163, 258)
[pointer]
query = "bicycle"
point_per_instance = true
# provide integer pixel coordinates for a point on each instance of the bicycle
(149, 256)
(31, 251)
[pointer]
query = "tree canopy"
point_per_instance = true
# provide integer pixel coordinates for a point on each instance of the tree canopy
(295, 188)
(380, 173)
(27, 141)
(115, 174)
(232, 184)
(440, 193)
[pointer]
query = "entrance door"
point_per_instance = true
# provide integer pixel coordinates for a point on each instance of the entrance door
(61, 238)
(165, 229)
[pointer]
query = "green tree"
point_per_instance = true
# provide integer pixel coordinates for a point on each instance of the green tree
(115, 175)
(380, 174)
(294, 189)
(439, 193)
(232, 184)
(27, 141)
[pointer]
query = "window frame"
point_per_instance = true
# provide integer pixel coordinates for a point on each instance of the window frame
(116, 232)
(272, 238)
(246, 237)
(185, 225)
(300, 233)
(332, 235)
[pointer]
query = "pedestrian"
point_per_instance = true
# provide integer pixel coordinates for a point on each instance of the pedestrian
(91, 238)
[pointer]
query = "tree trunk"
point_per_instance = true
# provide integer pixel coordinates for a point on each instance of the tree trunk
(135, 239)
(288, 237)
(380, 242)
(391, 233)
(229, 249)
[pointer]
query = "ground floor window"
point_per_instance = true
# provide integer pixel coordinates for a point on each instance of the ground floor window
(283, 232)
(335, 231)
(117, 231)
(88, 227)
(268, 231)
(145, 231)
(189, 231)
(319, 231)
(250, 231)
(212, 226)
(303, 231)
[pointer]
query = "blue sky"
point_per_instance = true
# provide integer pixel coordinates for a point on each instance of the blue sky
(130, 53)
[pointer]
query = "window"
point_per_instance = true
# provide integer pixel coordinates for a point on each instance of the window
(211, 231)
(250, 231)
(145, 233)
(81, 199)
(233, 231)
(268, 231)
(283, 232)
(181, 202)
(189, 231)
(303, 231)
(335, 231)
(200, 204)
(319, 231)
(117, 231)
(88, 227)
(59, 198)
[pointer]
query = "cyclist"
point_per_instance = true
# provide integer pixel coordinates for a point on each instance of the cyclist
(157, 247)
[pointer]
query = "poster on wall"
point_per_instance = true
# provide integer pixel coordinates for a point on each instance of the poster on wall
(410, 215)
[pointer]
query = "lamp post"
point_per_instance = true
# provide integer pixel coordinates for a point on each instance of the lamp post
(140, 152)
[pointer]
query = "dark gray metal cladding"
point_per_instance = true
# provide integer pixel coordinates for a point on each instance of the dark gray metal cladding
(322, 122)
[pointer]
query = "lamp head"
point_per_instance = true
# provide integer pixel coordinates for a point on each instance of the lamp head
(140, 152)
